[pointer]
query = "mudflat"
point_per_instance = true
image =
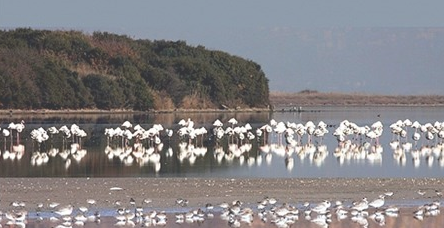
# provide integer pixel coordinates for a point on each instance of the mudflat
(308, 98)
(163, 192)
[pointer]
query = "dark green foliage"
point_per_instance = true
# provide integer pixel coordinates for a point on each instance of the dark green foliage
(71, 70)
(106, 92)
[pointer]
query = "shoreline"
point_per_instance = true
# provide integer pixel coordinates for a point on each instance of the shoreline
(119, 111)
(280, 108)
(199, 191)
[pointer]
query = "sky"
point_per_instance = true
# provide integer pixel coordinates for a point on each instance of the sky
(313, 44)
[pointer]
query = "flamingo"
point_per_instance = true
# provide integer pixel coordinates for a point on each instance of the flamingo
(11, 127)
(300, 131)
(273, 122)
(66, 133)
(5, 133)
(266, 130)
(40, 135)
(81, 134)
(377, 129)
(407, 123)
(218, 123)
(52, 131)
(232, 121)
(19, 128)
(310, 128)
(127, 124)
(396, 128)
(416, 136)
(280, 129)
(169, 133)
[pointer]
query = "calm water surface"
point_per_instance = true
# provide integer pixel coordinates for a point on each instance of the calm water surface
(208, 160)
(403, 219)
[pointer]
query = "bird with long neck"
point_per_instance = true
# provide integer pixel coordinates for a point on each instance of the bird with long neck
(19, 128)
(11, 127)
(5, 133)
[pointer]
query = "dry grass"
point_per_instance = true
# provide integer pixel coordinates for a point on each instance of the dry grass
(195, 101)
(355, 99)
(162, 101)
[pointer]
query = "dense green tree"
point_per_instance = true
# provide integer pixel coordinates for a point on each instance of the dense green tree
(69, 69)
(106, 92)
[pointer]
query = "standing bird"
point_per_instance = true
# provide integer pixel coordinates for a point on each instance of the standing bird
(52, 131)
(19, 128)
(360, 205)
(6, 134)
(169, 133)
(11, 127)
(232, 121)
(127, 124)
(416, 135)
(377, 203)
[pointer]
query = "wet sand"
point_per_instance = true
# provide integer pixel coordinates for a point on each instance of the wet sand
(198, 191)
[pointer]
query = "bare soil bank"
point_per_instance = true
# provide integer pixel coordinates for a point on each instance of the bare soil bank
(199, 191)
(278, 99)
(9, 112)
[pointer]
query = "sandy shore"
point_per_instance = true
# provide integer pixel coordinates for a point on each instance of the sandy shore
(164, 191)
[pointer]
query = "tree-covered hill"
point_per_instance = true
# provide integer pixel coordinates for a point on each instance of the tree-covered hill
(42, 69)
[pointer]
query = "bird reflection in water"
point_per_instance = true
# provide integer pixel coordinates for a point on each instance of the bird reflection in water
(15, 150)
(67, 151)
(424, 143)
(131, 145)
(360, 143)
(232, 142)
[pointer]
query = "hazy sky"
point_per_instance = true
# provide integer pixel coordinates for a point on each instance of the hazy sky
(267, 32)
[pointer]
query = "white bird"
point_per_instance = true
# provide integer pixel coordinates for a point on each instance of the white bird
(218, 123)
(127, 124)
(5, 133)
(232, 121)
(65, 210)
(377, 203)
(16, 216)
(360, 205)
(91, 201)
(416, 136)
(19, 128)
(322, 207)
(169, 132)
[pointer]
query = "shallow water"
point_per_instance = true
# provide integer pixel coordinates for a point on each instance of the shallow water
(404, 219)
(206, 160)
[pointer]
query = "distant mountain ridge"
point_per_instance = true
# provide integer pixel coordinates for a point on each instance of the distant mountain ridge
(43, 69)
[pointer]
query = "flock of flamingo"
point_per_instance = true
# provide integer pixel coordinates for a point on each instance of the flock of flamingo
(17, 149)
(235, 141)
(427, 142)
(231, 140)
(41, 154)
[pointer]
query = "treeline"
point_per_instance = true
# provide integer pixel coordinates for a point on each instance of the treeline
(42, 69)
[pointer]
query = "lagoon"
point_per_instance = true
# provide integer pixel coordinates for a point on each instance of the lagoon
(217, 161)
